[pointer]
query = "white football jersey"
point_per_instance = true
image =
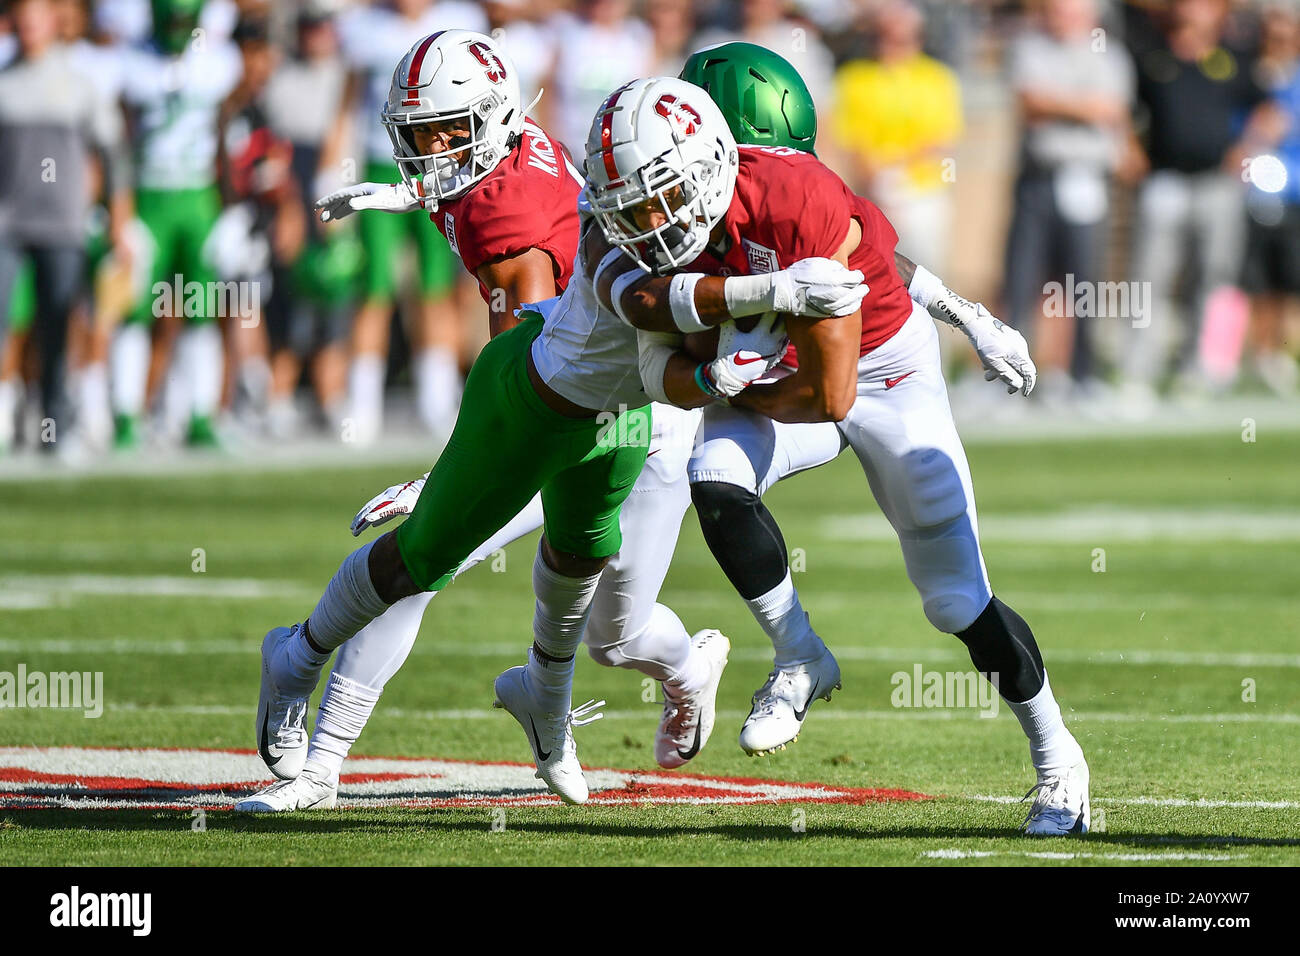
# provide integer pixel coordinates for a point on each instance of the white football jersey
(585, 352)
(176, 100)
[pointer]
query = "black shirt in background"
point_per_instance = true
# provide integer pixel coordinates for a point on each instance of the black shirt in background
(1195, 109)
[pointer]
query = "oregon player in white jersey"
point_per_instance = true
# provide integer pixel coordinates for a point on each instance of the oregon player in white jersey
(173, 90)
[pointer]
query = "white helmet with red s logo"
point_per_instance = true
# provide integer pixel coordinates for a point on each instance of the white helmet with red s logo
(453, 75)
(660, 144)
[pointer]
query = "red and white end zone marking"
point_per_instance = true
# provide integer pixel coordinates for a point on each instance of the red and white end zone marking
(81, 778)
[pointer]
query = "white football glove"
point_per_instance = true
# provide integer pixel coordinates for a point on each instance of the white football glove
(819, 288)
(1002, 349)
(386, 197)
(767, 337)
(731, 374)
(394, 501)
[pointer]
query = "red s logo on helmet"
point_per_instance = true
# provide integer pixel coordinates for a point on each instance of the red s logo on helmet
(495, 69)
(684, 118)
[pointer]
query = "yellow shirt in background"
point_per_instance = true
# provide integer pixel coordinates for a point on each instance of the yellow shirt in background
(890, 114)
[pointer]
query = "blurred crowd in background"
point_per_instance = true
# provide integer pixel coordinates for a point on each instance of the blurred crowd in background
(1120, 181)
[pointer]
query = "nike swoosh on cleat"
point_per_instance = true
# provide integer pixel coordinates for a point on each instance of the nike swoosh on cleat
(543, 756)
(264, 745)
(695, 747)
(1078, 824)
(798, 714)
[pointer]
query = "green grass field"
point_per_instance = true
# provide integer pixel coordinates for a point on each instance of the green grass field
(1177, 667)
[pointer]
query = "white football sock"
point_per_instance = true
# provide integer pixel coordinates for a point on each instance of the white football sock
(785, 622)
(93, 402)
(437, 388)
(366, 396)
(1051, 746)
(299, 671)
(345, 706)
(563, 604)
(8, 411)
(129, 360)
(201, 363)
(349, 603)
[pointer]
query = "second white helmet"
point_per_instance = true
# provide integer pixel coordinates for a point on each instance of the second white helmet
(661, 171)
(449, 76)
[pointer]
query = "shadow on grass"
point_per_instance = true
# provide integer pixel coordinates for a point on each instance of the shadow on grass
(534, 821)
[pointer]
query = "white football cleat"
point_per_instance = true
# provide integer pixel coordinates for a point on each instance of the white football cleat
(281, 719)
(305, 792)
(1060, 806)
(549, 732)
(688, 721)
(781, 704)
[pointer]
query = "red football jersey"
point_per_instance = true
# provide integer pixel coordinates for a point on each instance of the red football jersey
(530, 201)
(788, 206)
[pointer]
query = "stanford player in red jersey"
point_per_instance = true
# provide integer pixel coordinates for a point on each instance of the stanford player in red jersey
(871, 381)
(516, 230)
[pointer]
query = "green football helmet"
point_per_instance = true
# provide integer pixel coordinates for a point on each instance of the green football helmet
(174, 23)
(763, 98)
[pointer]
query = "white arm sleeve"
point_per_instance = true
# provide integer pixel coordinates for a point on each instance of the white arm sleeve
(654, 349)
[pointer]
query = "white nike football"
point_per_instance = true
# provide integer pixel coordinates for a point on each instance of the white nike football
(281, 718)
(781, 704)
(687, 721)
(1060, 806)
(549, 732)
(307, 791)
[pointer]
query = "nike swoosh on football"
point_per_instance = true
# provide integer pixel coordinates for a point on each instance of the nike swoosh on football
(799, 714)
(695, 747)
(891, 382)
(542, 756)
(264, 745)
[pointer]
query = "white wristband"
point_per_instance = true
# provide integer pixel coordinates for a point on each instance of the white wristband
(925, 286)
(619, 287)
(681, 301)
(748, 295)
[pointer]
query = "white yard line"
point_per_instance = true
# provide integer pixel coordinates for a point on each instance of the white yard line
(194, 585)
(431, 644)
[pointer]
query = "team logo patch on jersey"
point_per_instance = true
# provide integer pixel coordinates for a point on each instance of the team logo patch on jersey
(761, 258)
(495, 69)
(684, 117)
(449, 227)
(77, 778)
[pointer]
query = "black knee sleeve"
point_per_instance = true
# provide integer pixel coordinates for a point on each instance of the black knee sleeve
(743, 536)
(1001, 643)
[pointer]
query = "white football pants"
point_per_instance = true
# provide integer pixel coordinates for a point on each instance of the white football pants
(902, 431)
